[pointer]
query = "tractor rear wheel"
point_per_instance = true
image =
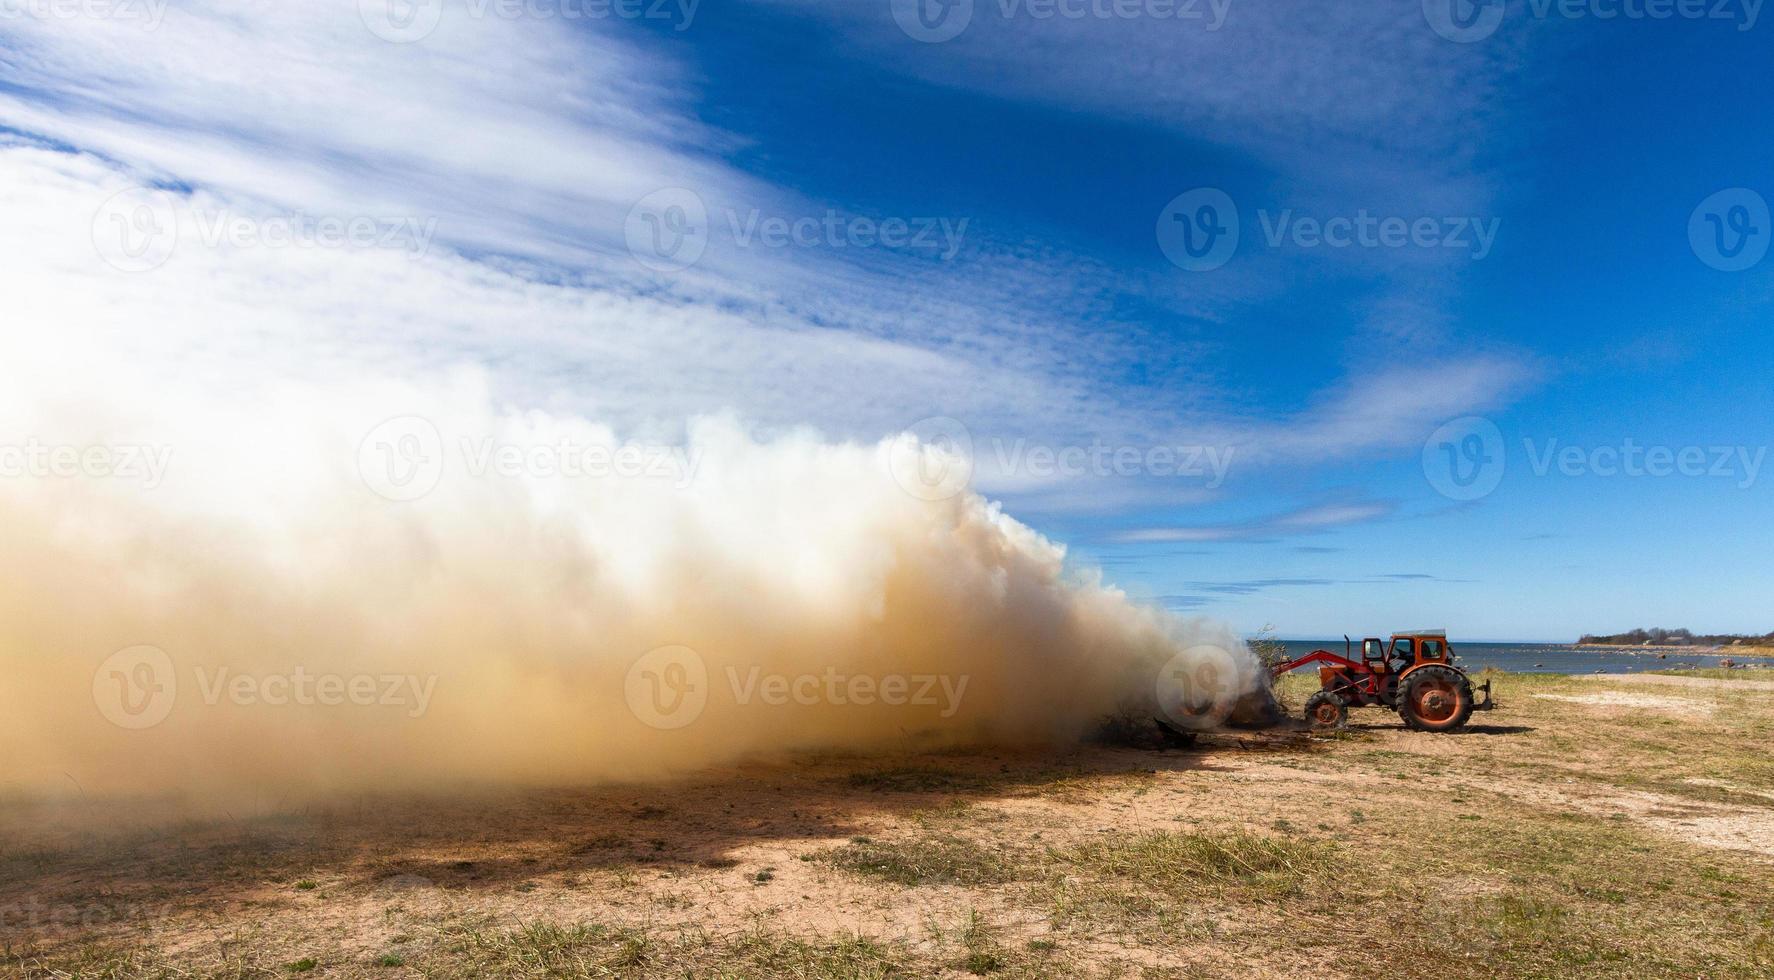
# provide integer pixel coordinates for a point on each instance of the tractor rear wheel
(1435, 699)
(1326, 711)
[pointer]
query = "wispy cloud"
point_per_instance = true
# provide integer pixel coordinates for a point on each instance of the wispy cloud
(1205, 593)
(1305, 520)
(529, 176)
(1274, 79)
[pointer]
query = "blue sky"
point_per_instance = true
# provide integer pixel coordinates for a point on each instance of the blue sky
(1051, 151)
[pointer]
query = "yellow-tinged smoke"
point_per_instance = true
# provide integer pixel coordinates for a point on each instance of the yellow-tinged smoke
(286, 590)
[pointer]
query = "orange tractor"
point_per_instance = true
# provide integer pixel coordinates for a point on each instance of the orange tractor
(1415, 677)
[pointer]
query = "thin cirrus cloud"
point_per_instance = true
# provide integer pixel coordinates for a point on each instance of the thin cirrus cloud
(500, 125)
(1339, 108)
(1281, 81)
(1305, 520)
(1207, 593)
(528, 141)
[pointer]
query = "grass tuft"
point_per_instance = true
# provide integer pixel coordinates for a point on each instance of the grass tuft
(1180, 863)
(924, 861)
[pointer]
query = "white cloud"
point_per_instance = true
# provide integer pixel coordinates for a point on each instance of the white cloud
(530, 140)
(506, 127)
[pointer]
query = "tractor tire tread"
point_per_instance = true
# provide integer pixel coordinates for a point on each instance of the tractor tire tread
(1322, 697)
(1408, 686)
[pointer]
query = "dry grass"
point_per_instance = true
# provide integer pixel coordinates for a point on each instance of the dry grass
(923, 861)
(1559, 838)
(1720, 673)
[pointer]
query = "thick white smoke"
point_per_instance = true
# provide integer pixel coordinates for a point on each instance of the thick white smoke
(289, 589)
(258, 544)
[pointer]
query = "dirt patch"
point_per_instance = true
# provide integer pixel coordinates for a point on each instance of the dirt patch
(1094, 862)
(1669, 680)
(1646, 702)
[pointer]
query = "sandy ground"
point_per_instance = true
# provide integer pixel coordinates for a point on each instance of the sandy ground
(1669, 680)
(741, 849)
(1639, 702)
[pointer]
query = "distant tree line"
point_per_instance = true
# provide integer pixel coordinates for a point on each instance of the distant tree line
(1677, 638)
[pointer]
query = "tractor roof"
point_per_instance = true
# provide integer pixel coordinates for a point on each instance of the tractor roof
(1441, 633)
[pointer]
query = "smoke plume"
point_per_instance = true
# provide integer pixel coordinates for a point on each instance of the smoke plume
(289, 589)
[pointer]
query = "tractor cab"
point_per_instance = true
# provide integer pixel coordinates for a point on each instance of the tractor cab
(1420, 647)
(1401, 654)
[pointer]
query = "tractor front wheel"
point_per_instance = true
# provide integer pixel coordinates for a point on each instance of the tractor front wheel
(1326, 711)
(1435, 699)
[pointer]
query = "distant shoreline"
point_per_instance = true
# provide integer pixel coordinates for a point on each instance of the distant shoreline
(1709, 649)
